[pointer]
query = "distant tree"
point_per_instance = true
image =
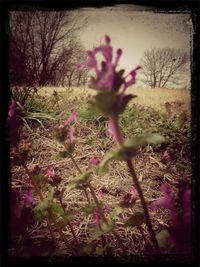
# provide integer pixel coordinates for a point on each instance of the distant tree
(37, 42)
(163, 66)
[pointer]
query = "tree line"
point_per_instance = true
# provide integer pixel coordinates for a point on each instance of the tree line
(44, 50)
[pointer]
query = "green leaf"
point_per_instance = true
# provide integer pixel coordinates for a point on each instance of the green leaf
(105, 101)
(129, 149)
(115, 213)
(180, 121)
(68, 215)
(88, 208)
(56, 208)
(105, 228)
(40, 215)
(165, 240)
(135, 220)
(81, 179)
(40, 179)
(46, 202)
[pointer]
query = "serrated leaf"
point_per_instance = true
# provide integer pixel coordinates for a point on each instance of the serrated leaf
(165, 240)
(135, 220)
(115, 213)
(88, 208)
(129, 149)
(57, 209)
(105, 101)
(105, 228)
(180, 120)
(40, 179)
(46, 202)
(81, 179)
(40, 215)
(68, 215)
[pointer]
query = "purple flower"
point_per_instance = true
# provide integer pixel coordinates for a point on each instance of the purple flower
(50, 172)
(70, 134)
(106, 75)
(12, 108)
(134, 193)
(71, 118)
(97, 216)
(166, 202)
(28, 198)
(166, 157)
(94, 161)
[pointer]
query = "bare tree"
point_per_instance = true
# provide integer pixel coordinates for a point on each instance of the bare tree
(164, 66)
(38, 40)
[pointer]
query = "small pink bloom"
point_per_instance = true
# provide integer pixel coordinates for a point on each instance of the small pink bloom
(94, 161)
(134, 193)
(107, 39)
(71, 118)
(96, 218)
(166, 157)
(50, 172)
(106, 210)
(12, 108)
(119, 53)
(28, 198)
(133, 77)
(99, 194)
(70, 134)
(166, 202)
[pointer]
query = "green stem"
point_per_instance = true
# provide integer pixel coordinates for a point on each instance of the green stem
(69, 224)
(79, 170)
(144, 205)
(119, 140)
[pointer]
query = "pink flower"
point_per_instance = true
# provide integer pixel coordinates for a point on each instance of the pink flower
(94, 161)
(166, 157)
(133, 77)
(100, 194)
(12, 108)
(107, 74)
(28, 198)
(134, 193)
(50, 172)
(166, 202)
(70, 134)
(97, 216)
(71, 119)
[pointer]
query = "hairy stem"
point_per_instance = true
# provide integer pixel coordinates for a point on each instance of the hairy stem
(69, 224)
(119, 140)
(79, 170)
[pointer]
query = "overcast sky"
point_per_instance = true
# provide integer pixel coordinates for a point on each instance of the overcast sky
(135, 30)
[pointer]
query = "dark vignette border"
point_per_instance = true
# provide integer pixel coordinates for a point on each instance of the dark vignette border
(164, 6)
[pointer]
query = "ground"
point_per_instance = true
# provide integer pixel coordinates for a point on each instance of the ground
(146, 113)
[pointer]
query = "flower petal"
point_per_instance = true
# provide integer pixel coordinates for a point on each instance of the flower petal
(71, 118)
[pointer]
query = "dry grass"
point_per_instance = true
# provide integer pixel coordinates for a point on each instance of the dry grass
(151, 171)
(150, 97)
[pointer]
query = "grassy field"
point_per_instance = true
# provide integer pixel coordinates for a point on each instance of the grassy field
(146, 113)
(150, 97)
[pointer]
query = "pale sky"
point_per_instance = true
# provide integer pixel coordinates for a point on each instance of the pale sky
(135, 30)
